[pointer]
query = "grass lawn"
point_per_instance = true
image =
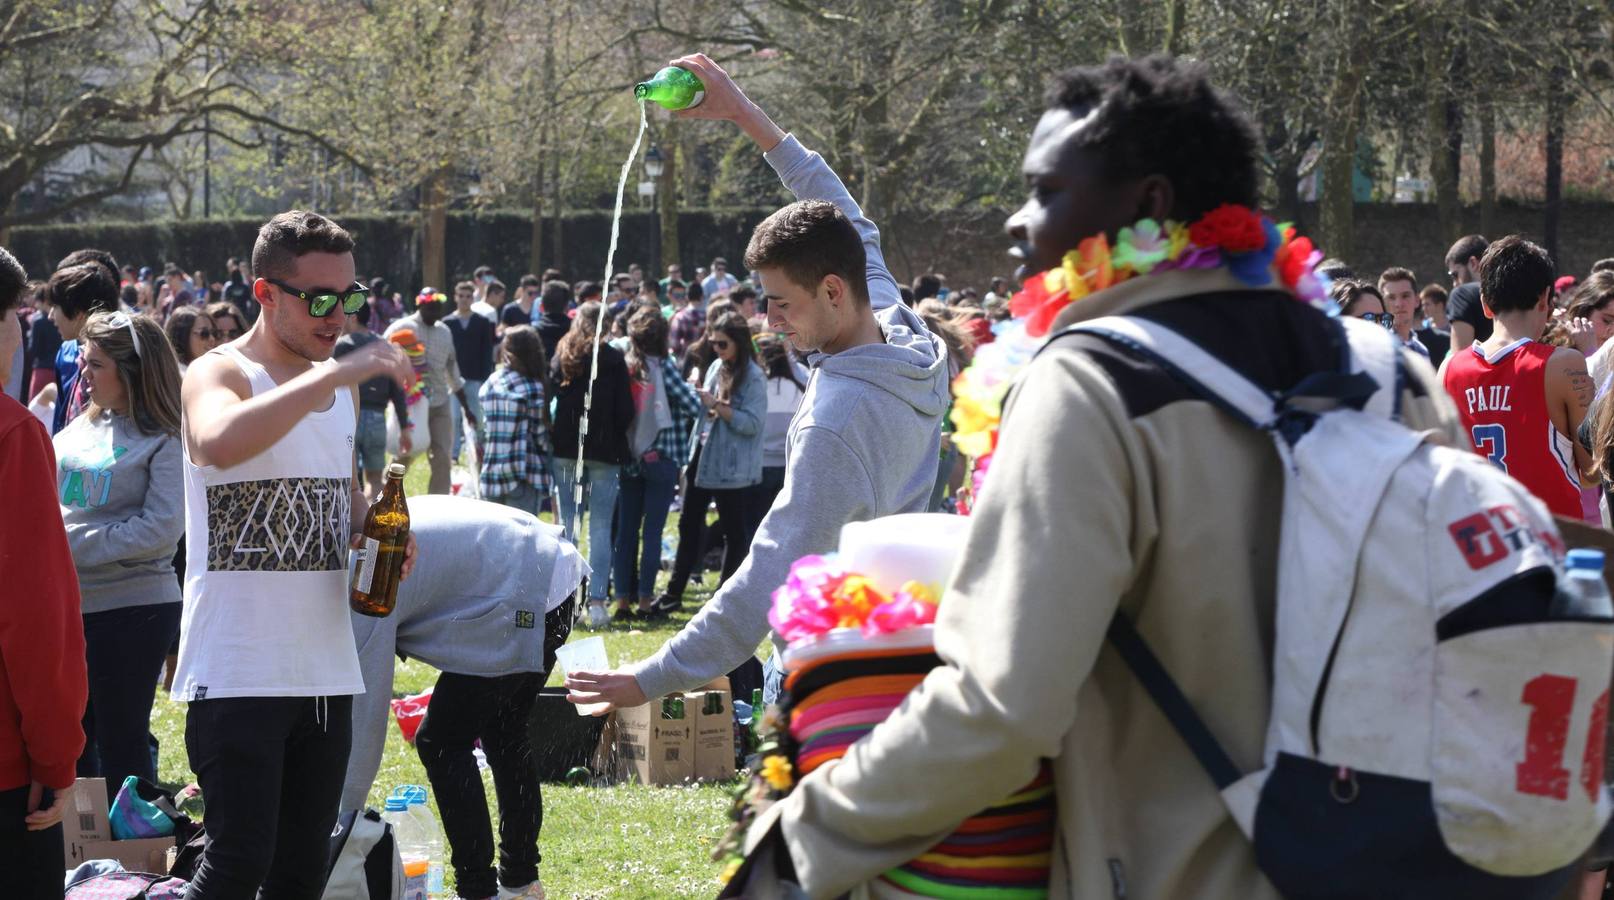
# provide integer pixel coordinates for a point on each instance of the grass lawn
(624, 841)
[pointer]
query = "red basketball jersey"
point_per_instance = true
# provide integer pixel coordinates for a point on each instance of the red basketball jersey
(1502, 399)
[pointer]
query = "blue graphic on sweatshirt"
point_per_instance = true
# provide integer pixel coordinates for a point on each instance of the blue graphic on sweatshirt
(86, 478)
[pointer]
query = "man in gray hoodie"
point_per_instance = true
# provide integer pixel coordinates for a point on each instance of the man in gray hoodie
(866, 437)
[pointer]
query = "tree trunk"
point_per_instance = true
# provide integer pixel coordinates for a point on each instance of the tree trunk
(1175, 13)
(434, 231)
(555, 214)
(1555, 159)
(667, 192)
(1438, 117)
(1487, 164)
(1337, 201)
(535, 250)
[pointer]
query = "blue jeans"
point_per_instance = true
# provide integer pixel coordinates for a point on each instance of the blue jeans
(371, 441)
(525, 498)
(472, 389)
(645, 499)
(600, 490)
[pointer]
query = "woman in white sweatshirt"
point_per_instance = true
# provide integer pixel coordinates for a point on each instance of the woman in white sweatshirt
(119, 482)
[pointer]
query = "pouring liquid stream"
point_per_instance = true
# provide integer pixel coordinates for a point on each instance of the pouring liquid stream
(599, 332)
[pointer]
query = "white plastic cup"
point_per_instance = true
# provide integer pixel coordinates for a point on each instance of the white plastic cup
(586, 655)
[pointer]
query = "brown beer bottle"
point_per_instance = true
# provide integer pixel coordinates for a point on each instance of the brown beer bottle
(381, 556)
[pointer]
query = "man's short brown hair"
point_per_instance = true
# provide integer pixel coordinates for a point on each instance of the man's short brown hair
(292, 234)
(808, 240)
(1397, 273)
(83, 289)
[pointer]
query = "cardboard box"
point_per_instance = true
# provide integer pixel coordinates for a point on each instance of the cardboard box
(655, 750)
(714, 734)
(148, 855)
(88, 818)
(87, 834)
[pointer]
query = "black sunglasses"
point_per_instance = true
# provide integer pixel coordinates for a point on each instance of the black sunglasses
(1384, 319)
(322, 300)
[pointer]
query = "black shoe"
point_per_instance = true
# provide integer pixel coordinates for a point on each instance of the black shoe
(666, 603)
(625, 615)
(653, 614)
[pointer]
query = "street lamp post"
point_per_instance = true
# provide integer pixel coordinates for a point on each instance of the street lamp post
(654, 164)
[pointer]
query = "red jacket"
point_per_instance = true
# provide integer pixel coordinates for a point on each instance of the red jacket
(43, 683)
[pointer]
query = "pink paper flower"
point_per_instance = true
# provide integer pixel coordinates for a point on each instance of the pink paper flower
(913, 605)
(804, 605)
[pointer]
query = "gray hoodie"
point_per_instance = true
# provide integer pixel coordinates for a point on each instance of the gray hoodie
(474, 605)
(864, 443)
(122, 496)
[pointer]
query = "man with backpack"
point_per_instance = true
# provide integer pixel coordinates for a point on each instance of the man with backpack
(1123, 503)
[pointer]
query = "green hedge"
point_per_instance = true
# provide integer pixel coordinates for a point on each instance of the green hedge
(388, 244)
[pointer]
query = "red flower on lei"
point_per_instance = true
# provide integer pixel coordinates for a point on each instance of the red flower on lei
(1294, 258)
(1037, 304)
(1233, 228)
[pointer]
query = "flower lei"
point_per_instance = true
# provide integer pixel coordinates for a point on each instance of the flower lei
(819, 596)
(1250, 245)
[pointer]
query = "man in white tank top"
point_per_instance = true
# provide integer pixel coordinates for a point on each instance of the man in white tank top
(266, 657)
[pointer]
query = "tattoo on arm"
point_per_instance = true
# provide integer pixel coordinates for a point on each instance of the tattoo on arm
(1580, 384)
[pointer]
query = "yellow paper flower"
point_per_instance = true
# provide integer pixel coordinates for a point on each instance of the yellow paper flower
(729, 871)
(924, 593)
(777, 771)
(854, 600)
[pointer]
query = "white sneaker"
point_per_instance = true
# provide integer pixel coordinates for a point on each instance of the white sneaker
(534, 891)
(597, 616)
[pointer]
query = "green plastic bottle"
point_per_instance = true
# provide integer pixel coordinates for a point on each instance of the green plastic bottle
(673, 88)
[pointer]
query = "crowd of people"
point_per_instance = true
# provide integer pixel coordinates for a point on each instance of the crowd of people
(213, 444)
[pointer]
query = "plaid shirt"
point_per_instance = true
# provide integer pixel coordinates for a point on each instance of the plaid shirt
(686, 327)
(517, 444)
(672, 442)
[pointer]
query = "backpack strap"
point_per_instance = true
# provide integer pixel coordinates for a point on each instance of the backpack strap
(1185, 361)
(1369, 364)
(1163, 690)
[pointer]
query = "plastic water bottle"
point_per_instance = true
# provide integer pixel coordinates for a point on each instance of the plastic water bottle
(415, 795)
(413, 848)
(1586, 593)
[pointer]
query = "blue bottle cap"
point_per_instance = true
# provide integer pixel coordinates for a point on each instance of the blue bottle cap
(1586, 559)
(397, 804)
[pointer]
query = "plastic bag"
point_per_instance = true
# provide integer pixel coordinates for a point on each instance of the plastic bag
(463, 483)
(134, 817)
(420, 435)
(410, 712)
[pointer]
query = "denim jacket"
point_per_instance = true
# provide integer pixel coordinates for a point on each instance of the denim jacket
(732, 457)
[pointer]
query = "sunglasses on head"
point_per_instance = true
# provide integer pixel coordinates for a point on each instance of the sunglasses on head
(322, 300)
(122, 319)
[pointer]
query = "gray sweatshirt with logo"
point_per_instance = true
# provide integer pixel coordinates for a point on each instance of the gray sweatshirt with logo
(474, 605)
(864, 443)
(123, 502)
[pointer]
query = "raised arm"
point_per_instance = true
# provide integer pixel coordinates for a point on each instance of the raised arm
(804, 172)
(225, 425)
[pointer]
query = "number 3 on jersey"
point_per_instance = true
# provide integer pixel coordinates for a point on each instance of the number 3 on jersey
(1492, 441)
